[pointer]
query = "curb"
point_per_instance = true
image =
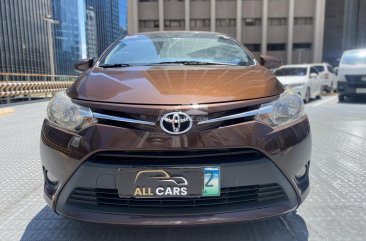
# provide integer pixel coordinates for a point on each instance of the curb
(5, 111)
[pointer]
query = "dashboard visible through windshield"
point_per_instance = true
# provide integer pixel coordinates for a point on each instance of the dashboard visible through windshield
(177, 48)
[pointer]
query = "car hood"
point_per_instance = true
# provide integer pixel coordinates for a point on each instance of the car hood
(175, 85)
(291, 80)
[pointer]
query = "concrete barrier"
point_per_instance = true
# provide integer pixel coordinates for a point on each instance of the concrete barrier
(16, 88)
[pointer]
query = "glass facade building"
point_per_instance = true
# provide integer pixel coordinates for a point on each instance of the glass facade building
(123, 17)
(107, 15)
(91, 33)
(23, 36)
(84, 28)
(67, 34)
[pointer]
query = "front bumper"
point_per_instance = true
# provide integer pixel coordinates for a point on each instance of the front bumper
(282, 153)
(350, 90)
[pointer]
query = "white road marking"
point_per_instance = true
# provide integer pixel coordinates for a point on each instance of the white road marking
(322, 101)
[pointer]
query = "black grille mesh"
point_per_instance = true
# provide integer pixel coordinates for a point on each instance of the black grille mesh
(230, 197)
(356, 80)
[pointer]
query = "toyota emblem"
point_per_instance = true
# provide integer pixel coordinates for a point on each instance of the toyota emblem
(176, 123)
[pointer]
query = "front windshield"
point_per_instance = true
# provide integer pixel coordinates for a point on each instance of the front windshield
(175, 47)
(354, 57)
(291, 72)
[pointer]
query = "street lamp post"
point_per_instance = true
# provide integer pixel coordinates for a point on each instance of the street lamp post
(51, 21)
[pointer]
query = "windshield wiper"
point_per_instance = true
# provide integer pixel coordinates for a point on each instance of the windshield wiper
(114, 65)
(191, 63)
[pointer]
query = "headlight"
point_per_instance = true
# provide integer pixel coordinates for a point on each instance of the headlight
(288, 108)
(65, 113)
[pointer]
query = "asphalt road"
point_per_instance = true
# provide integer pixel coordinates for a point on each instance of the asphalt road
(334, 210)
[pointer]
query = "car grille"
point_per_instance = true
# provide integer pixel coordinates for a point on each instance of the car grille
(231, 199)
(202, 115)
(176, 157)
(356, 80)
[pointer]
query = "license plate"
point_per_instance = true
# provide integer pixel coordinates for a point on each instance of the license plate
(211, 182)
(168, 182)
(361, 90)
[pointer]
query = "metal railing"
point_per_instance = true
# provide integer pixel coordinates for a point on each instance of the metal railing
(22, 86)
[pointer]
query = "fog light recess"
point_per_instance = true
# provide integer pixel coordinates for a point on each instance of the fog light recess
(302, 178)
(50, 183)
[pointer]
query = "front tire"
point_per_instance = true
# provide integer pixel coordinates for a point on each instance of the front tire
(319, 96)
(341, 98)
(307, 96)
(328, 89)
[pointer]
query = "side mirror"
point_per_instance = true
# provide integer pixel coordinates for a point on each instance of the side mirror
(336, 70)
(270, 62)
(313, 76)
(84, 64)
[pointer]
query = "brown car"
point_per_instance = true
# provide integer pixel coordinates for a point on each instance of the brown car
(175, 128)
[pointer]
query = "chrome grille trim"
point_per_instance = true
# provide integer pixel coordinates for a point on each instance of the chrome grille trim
(121, 119)
(264, 110)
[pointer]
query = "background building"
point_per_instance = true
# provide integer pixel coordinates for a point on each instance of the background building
(107, 16)
(23, 36)
(86, 29)
(123, 17)
(67, 34)
(91, 33)
(79, 29)
(291, 30)
(345, 28)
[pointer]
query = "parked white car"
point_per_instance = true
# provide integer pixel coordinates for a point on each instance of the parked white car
(352, 74)
(303, 79)
(327, 76)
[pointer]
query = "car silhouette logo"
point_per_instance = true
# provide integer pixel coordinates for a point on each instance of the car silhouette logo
(162, 176)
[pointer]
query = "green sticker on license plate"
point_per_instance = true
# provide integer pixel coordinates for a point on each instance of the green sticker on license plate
(211, 184)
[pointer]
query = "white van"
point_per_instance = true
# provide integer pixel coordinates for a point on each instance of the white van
(352, 74)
